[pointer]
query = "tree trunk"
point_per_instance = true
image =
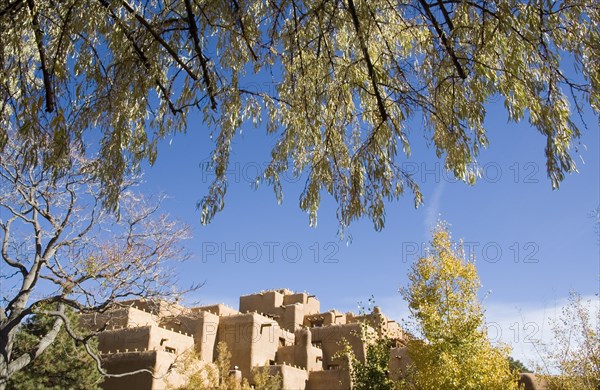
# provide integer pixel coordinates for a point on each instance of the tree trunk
(3, 368)
(5, 350)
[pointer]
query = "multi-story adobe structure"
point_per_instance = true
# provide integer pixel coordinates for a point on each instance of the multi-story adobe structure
(279, 329)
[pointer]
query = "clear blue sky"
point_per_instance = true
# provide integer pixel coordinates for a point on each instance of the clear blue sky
(532, 244)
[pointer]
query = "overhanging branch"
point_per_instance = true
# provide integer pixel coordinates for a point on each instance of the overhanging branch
(444, 39)
(155, 35)
(370, 67)
(193, 29)
(39, 40)
(10, 7)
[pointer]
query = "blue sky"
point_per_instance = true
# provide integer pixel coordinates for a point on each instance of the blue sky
(532, 245)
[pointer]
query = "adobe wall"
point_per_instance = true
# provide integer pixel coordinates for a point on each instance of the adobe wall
(149, 337)
(532, 382)
(159, 308)
(236, 332)
(287, 354)
(310, 359)
(293, 378)
(329, 337)
(202, 326)
(331, 317)
(158, 362)
(168, 340)
(393, 330)
(329, 380)
(252, 339)
(129, 362)
(120, 317)
(265, 302)
(291, 316)
(163, 377)
(174, 379)
(399, 361)
(218, 309)
(286, 307)
(380, 322)
(124, 339)
(310, 302)
(302, 353)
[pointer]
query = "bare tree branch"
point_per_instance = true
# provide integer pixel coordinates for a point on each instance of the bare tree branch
(44, 342)
(93, 258)
(5, 240)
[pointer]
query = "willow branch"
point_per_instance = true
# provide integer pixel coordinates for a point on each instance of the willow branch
(446, 15)
(11, 7)
(145, 61)
(156, 36)
(243, 30)
(39, 40)
(370, 67)
(444, 39)
(193, 29)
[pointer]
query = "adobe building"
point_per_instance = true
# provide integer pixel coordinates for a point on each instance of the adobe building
(280, 330)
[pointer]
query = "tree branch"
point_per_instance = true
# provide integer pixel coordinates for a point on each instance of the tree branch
(243, 30)
(39, 39)
(84, 340)
(5, 240)
(23, 360)
(11, 7)
(145, 61)
(193, 30)
(446, 15)
(155, 35)
(370, 68)
(444, 39)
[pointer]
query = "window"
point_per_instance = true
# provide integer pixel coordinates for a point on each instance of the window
(282, 342)
(317, 323)
(170, 350)
(333, 367)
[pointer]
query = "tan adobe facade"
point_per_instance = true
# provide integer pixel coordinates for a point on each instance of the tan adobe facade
(282, 331)
(279, 329)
